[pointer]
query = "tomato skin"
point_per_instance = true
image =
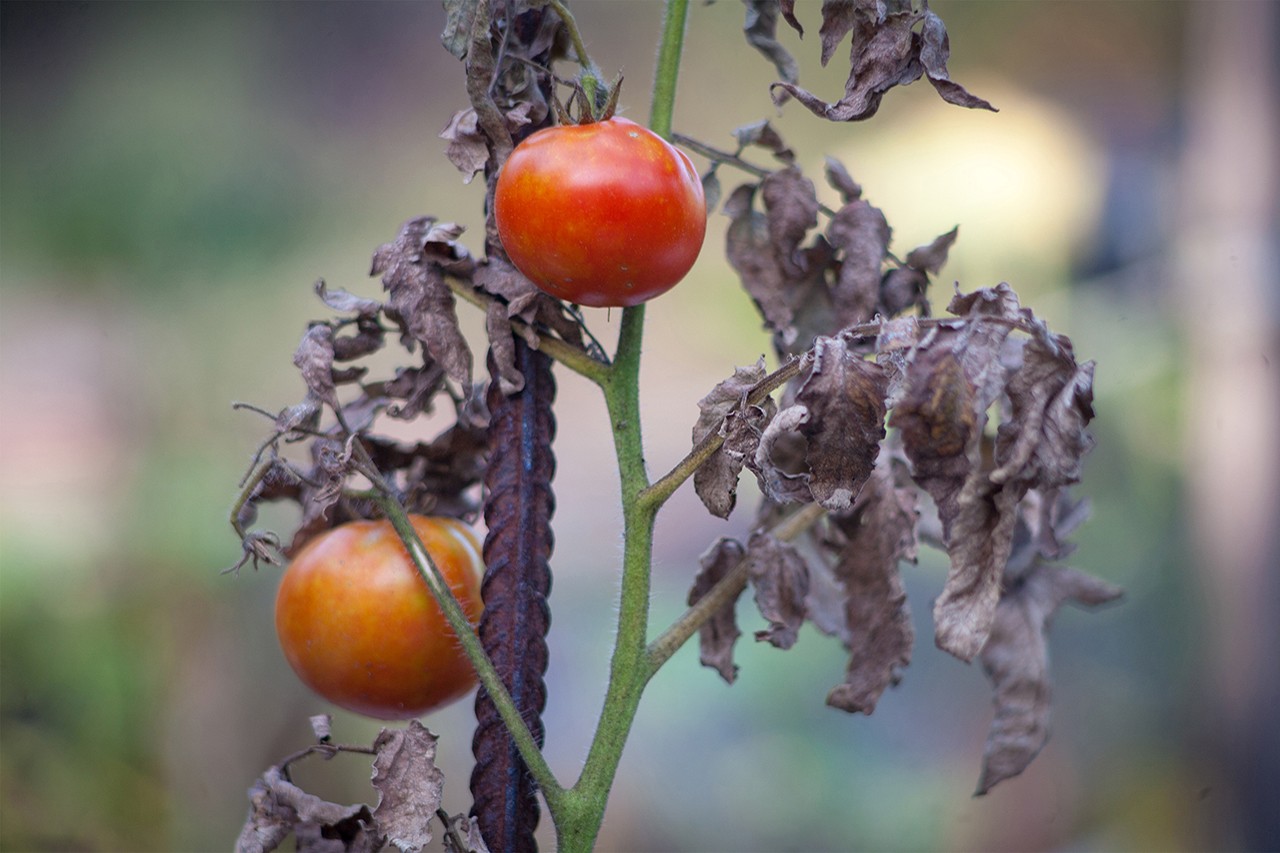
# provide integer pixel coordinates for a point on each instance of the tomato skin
(360, 627)
(602, 214)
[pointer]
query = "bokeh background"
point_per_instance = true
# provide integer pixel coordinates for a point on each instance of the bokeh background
(173, 179)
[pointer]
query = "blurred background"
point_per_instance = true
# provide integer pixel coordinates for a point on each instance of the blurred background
(173, 179)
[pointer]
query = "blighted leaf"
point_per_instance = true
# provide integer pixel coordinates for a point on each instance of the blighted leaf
(763, 135)
(348, 303)
(780, 577)
(761, 29)
(724, 411)
(841, 181)
(718, 634)
(1016, 659)
(779, 462)
(279, 808)
(844, 397)
(906, 287)
(750, 252)
(711, 190)
(460, 18)
(409, 785)
(791, 209)
(860, 233)
(869, 613)
(314, 358)
(935, 50)
(412, 269)
(895, 344)
(1051, 399)
(884, 52)
(932, 256)
(462, 835)
(468, 148)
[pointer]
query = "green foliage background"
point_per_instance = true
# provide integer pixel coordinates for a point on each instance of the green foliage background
(174, 177)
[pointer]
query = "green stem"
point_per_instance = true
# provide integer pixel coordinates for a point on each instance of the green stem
(466, 634)
(668, 71)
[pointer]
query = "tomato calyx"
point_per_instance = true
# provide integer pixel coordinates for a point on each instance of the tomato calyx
(590, 98)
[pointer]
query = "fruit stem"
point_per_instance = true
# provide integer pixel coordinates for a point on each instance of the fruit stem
(462, 628)
(668, 69)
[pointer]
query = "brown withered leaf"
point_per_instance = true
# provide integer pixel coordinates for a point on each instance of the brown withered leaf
(724, 410)
(779, 461)
(907, 286)
(279, 808)
(885, 51)
(844, 398)
(761, 30)
(1051, 402)
(314, 359)
(780, 577)
(841, 181)
(869, 613)
(1016, 660)
(462, 835)
(860, 233)
(762, 134)
(468, 148)
(791, 209)
(348, 303)
(717, 636)
(409, 785)
(895, 345)
(935, 50)
(792, 296)
(412, 269)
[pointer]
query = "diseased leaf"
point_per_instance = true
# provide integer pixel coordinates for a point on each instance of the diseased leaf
(468, 148)
(869, 612)
(717, 636)
(348, 303)
(844, 398)
(841, 181)
(460, 18)
(779, 463)
(763, 134)
(750, 252)
(860, 233)
(885, 51)
(935, 50)
(780, 577)
(725, 411)
(278, 808)
(895, 345)
(412, 269)
(761, 29)
(462, 835)
(1016, 660)
(314, 359)
(409, 785)
(791, 209)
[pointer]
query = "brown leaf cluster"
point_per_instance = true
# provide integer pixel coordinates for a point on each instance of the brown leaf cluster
(885, 423)
(409, 788)
(891, 44)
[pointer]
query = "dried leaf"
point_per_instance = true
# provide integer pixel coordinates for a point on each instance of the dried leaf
(869, 613)
(844, 398)
(762, 134)
(791, 209)
(779, 463)
(841, 181)
(348, 303)
(279, 808)
(935, 50)
(761, 29)
(409, 785)
(1016, 659)
(885, 51)
(718, 634)
(860, 233)
(780, 577)
(462, 835)
(725, 411)
(314, 358)
(412, 269)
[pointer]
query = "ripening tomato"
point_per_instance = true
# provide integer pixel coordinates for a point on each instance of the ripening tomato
(601, 214)
(360, 627)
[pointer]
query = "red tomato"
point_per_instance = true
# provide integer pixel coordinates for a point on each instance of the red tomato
(360, 627)
(601, 214)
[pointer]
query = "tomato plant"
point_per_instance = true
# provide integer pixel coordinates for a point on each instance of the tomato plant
(360, 627)
(600, 214)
